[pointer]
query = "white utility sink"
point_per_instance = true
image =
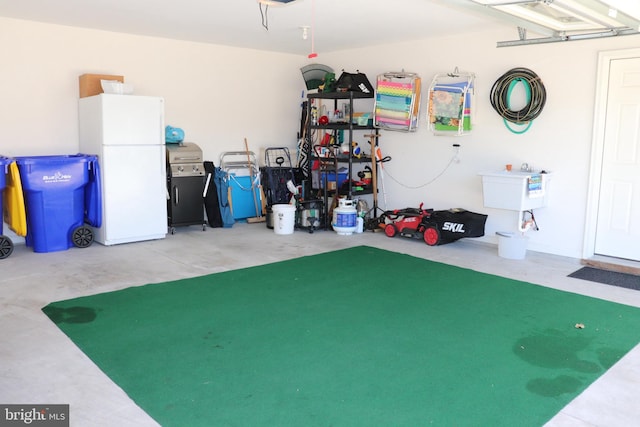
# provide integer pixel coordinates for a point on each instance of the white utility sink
(515, 190)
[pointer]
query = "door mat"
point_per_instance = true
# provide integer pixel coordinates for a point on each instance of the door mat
(608, 277)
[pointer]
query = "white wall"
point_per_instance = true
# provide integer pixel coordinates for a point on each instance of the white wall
(221, 95)
(218, 95)
(559, 140)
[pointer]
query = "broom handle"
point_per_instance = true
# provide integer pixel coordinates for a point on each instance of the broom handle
(253, 188)
(374, 174)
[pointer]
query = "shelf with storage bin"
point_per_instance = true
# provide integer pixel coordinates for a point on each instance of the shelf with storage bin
(328, 157)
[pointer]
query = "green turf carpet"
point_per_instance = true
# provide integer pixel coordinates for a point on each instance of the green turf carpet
(356, 337)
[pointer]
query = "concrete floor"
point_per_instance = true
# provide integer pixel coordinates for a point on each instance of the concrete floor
(39, 364)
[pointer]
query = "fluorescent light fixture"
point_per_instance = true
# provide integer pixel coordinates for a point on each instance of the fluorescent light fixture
(564, 16)
(563, 20)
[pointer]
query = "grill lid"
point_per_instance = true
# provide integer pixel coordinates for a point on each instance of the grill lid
(184, 159)
(185, 152)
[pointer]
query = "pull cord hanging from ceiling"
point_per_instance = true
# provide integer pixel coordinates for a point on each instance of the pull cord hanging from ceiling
(535, 94)
(313, 53)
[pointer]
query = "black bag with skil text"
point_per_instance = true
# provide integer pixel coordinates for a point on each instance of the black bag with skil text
(454, 224)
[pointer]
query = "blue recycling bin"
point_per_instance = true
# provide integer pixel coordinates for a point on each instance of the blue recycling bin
(4, 165)
(6, 245)
(61, 194)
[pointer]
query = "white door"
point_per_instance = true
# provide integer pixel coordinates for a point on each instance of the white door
(618, 219)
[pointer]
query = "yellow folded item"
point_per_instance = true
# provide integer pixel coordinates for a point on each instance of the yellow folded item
(13, 203)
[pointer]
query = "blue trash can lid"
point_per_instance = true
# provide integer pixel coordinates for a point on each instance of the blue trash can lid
(54, 159)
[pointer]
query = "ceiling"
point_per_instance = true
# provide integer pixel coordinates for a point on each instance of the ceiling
(338, 24)
(332, 24)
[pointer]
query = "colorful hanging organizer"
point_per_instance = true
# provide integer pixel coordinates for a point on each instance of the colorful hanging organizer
(397, 104)
(451, 103)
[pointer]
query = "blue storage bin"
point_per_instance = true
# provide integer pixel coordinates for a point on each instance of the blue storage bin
(6, 245)
(318, 178)
(331, 177)
(58, 198)
(4, 164)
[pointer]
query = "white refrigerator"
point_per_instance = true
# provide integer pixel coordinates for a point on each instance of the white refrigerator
(126, 132)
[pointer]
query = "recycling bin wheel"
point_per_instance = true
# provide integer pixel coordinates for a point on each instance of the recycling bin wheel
(390, 230)
(82, 236)
(431, 235)
(6, 247)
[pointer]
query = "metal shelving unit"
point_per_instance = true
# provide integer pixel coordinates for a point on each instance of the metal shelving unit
(330, 163)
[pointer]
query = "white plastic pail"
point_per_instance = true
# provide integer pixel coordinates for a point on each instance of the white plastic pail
(512, 245)
(284, 217)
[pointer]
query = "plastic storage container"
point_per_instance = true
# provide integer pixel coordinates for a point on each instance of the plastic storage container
(4, 169)
(61, 193)
(334, 181)
(6, 245)
(14, 212)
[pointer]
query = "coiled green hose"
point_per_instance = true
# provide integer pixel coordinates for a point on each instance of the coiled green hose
(536, 97)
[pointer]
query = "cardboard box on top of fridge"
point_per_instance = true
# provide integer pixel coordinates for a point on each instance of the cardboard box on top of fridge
(90, 84)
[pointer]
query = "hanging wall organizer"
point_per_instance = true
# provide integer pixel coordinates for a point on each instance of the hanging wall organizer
(397, 104)
(451, 103)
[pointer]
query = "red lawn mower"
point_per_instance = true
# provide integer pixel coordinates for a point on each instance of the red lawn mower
(434, 227)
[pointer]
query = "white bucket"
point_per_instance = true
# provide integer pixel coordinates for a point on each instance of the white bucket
(345, 217)
(284, 217)
(512, 245)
